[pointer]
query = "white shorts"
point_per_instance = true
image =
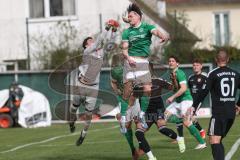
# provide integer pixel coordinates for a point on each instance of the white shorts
(139, 74)
(180, 109)
(133, 112)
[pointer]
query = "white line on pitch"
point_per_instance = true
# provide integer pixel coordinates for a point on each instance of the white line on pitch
(233, 150)
(50, 139)
(109, 141)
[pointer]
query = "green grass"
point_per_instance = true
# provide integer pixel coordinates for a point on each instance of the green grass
(103, 142)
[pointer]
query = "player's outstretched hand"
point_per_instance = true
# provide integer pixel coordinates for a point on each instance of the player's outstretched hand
(164, 38)
(112, 24)
(170, 100)
(131, 61)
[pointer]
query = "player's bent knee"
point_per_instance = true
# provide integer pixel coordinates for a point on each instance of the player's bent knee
(88, 113)
(139, 126)
(167, 115)
(187, 123)
(118, 116)
(128, 125)
(214, 139)
(161, 122)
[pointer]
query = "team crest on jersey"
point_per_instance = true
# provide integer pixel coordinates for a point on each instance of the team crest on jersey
(141, 30)
(199, 79)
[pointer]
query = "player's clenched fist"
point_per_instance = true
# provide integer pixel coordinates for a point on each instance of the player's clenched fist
(112, 24)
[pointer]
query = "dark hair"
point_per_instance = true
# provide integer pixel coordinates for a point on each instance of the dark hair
(174, 57)
(134, 7)
(85, 42)
(197, 60)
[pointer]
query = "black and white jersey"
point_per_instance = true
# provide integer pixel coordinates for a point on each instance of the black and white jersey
(222, 82)
(197, 83)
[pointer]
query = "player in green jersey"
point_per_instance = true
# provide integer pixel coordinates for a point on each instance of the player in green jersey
(181, 102)
(136, 41)
(130, 113)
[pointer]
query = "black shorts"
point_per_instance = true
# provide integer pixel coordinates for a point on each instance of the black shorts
(155, 111)
(219, 126)
(196, 108)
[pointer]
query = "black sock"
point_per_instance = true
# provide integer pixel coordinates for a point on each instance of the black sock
(197, 125)
(217, 151)
(168, 132)
(180, 129)
(143, 144)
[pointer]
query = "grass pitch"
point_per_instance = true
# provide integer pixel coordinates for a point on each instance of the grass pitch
(103, 142)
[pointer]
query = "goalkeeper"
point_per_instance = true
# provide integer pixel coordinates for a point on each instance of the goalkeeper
(87, 82)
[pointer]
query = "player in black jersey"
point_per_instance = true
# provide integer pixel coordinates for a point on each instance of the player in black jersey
(156, 109)
(222, 82)
(197, 84)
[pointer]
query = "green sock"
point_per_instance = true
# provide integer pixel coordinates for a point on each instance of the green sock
(129, 137)
(174, 119)
(193, 130)
(124, 105)
(144, 102)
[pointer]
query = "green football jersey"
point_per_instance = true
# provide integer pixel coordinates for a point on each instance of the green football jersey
(181, 78)
(117, 75)
(139, 39)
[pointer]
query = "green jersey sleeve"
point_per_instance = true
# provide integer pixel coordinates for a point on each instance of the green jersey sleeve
(181, 77)
(151, 27)
(125, 36)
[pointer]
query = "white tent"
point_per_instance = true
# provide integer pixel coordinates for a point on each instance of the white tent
(34, 109)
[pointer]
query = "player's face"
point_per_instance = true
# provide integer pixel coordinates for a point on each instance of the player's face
(197, 68)
(134, 18)
(172, 63)
(89, 42)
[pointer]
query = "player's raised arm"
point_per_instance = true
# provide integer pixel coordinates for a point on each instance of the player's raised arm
(109, 33)
(163, 36)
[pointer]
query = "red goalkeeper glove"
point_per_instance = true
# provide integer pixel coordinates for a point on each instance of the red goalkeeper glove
(112, 23)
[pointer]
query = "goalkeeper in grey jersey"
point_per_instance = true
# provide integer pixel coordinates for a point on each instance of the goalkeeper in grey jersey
(85, 79)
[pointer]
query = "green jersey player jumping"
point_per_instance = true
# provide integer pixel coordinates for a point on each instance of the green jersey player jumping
(136, 41)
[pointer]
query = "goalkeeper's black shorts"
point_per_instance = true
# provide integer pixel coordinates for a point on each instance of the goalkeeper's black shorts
(155, 110)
